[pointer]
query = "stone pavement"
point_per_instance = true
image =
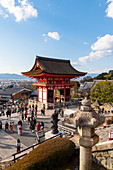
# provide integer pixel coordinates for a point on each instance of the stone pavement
(7, 146)
(8, 139)
(104, 133)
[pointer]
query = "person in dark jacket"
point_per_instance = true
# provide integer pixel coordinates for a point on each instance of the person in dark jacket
(32, 126)
(20, 122)
(0, 124)
(6, 126)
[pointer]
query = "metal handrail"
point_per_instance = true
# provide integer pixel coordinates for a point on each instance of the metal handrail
(31, 147)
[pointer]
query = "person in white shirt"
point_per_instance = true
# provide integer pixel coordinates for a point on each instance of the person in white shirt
(18, 145)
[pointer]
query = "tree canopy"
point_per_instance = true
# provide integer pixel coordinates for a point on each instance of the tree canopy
(103, 91)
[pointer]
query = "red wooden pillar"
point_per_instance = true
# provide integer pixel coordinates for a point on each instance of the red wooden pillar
(42, 94)
(70, 94)
(38, 93)
(47, 94)
(53, 94)
(64, 94)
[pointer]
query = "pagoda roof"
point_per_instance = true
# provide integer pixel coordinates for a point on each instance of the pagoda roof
(52, 66)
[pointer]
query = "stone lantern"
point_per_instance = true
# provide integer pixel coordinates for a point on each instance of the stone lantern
(96, 106)
(86, 119)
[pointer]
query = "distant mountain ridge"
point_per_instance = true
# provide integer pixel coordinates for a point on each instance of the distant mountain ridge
(87, 75)
(8, 76)
(92, 75)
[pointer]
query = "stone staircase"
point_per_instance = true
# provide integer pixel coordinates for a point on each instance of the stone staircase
(6, 164)
(66, 129)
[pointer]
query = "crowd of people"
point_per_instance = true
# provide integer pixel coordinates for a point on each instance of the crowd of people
(27, 113)
(28, 116)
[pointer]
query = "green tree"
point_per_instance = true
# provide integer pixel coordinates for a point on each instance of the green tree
(103, 91)
(75, 88)
(108, 76)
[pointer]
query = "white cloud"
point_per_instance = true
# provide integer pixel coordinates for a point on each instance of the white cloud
(22, 11)
(53, 35)
(109, 9)
(103, 43)
(101, 48)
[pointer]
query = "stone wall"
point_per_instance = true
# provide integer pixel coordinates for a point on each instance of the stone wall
(103, 154)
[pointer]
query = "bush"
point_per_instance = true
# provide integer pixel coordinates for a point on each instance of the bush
(47, 156)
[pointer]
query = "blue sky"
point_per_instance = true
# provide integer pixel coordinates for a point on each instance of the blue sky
(81, 31)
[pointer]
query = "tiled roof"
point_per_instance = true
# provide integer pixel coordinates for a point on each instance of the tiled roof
(87, 86)
(34, 93)
(53, 66)
(12, 90)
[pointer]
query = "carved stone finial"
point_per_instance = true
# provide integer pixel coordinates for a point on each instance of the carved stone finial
(86, 116)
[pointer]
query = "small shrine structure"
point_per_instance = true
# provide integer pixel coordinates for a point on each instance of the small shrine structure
(53, 77)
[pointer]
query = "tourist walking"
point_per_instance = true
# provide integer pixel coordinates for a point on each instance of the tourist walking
(38, 126)
(28, 119)
(6, 126)
(32, 126)
(20, 122)
(22, 109)
(32, 112)
(0, 124)
(19, 127)
(18, 145)
(22, 116)
(8, 112)
(34, 119)
(36, 111)
(25, 115)
(11, 126)
(61, 112)
(43, 110)
(42, 125)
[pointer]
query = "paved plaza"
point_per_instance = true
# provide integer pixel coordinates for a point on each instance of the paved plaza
(8, 139)
(104, 133)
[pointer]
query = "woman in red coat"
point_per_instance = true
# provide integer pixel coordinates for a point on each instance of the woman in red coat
(38, 126)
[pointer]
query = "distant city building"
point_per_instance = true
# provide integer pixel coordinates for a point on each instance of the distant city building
(34, 94)
(14, 93)
(87, 86)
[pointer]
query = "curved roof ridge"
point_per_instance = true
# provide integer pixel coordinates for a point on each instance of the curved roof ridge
(54, 59)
